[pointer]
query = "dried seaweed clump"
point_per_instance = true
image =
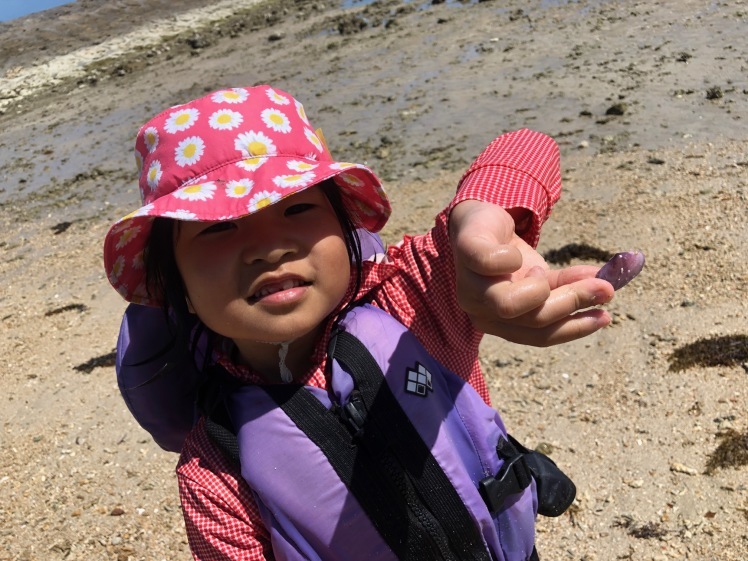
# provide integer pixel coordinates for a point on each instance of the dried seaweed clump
(67, 308)
(564, 255)
(725, 350)
(646, 531)
(731, 452)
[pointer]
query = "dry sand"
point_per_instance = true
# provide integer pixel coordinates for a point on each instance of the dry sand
(649, 105)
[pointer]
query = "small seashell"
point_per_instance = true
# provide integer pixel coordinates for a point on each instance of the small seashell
(622, 268)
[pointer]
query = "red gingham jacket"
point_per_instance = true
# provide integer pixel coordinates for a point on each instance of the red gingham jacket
(415, 285)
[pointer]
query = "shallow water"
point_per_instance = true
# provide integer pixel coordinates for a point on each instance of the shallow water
(13, 9)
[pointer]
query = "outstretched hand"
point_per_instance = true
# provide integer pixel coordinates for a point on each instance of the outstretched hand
(507, 288)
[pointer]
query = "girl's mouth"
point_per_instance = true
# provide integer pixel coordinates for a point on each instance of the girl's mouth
(272, 288)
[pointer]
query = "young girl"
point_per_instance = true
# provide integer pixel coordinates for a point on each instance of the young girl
(251, 226)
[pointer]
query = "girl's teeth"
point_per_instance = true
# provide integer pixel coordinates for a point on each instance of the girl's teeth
(285, 285)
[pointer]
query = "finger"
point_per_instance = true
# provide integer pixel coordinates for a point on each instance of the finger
(485, 256)
(536, 271)
(566, 300)
(569, 275)
(571, 328)
(491, 298)
(560, 303)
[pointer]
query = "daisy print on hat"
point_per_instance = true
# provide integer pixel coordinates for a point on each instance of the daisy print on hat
(138, 261)
(239, 189)
(297, 180)
(154, 174)
(314, 139)
(275, 97)
(142, 211)
(234, 95)
(151, 139)
(276, 120)
(189, 151)
(254, 144)
(298, 165)
(342, 165)
(225, 120)
(251, 164)
(301, 113)
(138, 161)
(181, 120)
(127, 236)
(263, 199)
(118, 268)
(196, 192)
(180, 214)
(349, 179)
(311, 137)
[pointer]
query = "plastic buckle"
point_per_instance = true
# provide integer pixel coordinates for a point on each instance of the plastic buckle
(354, 413)
(512, 478)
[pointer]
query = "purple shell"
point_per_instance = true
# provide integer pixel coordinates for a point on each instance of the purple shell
(622, 268)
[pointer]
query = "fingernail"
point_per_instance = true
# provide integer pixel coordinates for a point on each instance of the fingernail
(600, 297)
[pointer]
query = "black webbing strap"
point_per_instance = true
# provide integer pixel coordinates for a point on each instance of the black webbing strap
(388, 429)
(211, 401)
(224, 439)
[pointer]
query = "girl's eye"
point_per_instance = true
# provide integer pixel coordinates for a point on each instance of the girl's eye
(218, 227)
(298, 208)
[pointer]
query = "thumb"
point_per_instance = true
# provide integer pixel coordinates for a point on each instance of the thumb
(481, 234)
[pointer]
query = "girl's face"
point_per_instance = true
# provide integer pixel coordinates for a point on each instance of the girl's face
(270, 277)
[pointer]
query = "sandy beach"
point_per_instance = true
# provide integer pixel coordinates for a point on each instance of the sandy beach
(649, 105)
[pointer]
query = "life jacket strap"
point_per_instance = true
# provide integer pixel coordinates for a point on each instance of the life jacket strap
(396, 452)
(211, 397)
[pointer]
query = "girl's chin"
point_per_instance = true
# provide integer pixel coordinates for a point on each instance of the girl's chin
(269, 342)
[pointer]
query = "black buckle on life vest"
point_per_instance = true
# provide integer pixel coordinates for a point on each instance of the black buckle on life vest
(354, 413)
(513, 477)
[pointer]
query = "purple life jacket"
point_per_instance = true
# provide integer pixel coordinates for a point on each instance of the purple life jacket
(436, 446)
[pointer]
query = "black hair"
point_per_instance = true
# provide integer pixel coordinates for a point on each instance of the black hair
(164, 282)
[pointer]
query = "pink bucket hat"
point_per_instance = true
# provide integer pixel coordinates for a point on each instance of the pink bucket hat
(224, 156)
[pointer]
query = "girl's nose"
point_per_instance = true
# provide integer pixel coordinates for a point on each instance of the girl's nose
(270, 243)
(268, 253)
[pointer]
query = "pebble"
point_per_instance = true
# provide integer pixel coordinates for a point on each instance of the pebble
(681, 468)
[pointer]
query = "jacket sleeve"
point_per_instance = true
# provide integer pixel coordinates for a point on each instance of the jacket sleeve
(517, 170)
(222, 519)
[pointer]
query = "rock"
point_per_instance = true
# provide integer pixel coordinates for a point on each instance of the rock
(617, 109)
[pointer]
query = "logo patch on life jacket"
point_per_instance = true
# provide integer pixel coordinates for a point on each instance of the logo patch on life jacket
(418, 381)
